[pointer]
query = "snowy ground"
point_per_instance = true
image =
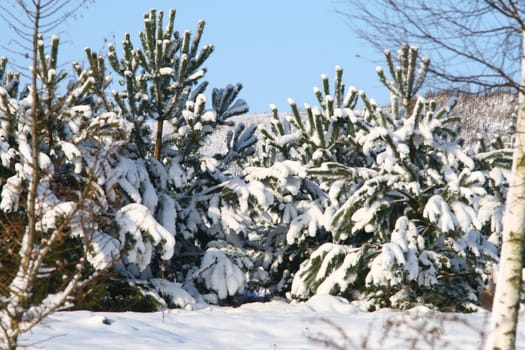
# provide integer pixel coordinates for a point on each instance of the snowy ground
(272, 326)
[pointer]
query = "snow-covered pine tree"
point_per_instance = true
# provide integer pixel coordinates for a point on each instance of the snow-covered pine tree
(177, 217)
(54, 150)
(417, 227)
(299, 217)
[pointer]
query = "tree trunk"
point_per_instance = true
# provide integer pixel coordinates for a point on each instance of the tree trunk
(158, 140)
(503, 324)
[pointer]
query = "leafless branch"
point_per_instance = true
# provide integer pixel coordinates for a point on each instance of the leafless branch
(473, 44)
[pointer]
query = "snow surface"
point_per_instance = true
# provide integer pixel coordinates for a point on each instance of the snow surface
(272, 326)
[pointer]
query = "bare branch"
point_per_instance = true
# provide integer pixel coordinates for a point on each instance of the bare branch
(21, 14)
(474, 43)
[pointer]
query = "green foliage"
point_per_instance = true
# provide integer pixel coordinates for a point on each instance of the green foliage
(115, 294)
(159, 77)
(316, 135)
(58, 268)
(406, 80)
(331, 269)
(11, 228)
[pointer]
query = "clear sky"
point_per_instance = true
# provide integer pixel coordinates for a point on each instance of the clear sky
(276, 48)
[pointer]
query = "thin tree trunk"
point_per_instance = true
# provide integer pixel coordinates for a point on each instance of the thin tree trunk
(503, 325)
(160, 120)
(35, 176)
(20, 286)
(158, 139)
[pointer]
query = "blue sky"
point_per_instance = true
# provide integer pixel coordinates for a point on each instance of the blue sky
(276, 48)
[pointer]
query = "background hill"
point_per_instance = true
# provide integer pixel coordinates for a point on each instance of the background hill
(485, 117)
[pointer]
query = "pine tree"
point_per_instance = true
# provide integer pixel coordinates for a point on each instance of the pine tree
(179, 205)
(292, 150)
(414, 218)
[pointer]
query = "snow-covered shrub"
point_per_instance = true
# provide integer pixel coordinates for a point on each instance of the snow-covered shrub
(176, 201)
(424, 219)
(220, 274)
(284, 229)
